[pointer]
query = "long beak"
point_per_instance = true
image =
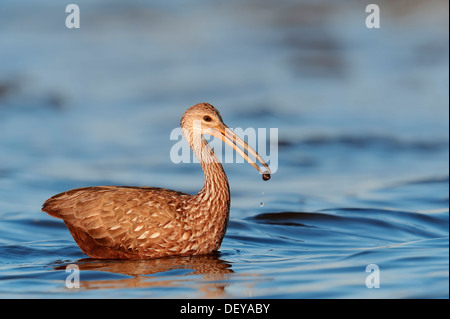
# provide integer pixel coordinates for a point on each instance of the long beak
(228, 136)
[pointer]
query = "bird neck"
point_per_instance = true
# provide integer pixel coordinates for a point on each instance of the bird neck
(216, 189)
(212, 203)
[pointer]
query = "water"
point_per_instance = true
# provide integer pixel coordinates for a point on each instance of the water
(362, 118)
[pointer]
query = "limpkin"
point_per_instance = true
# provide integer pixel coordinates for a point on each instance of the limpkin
(123, 222)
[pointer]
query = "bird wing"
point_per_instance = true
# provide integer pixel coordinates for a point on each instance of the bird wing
(119, 217)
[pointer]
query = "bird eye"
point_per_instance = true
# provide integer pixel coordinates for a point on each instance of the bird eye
(207, 118)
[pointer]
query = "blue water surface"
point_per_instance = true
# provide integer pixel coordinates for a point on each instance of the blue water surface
(362, 155)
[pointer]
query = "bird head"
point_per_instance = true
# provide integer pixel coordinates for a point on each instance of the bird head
(203, 118)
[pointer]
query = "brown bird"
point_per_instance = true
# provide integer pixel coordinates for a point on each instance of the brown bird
(122, 222)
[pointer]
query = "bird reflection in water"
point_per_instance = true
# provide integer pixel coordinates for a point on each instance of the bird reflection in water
(207, 274)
